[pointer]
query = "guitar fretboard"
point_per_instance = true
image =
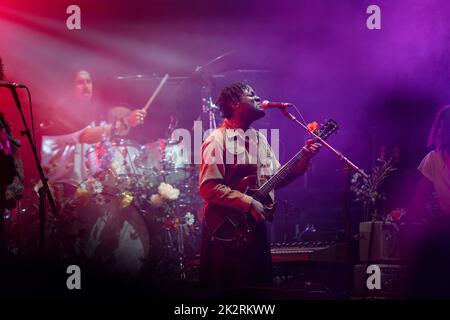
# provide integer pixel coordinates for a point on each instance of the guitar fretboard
(329, 128)
(280, 176)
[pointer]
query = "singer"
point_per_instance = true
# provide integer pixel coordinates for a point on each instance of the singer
(222, 266)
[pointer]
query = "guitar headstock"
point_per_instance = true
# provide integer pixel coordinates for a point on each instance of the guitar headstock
(324, 131)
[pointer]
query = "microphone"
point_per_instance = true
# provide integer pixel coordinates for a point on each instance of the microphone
(267, 104)
(10, 85)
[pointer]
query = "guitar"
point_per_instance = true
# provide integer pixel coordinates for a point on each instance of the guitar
(235, 228)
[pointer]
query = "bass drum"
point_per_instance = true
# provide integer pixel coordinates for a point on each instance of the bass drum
(111, 233)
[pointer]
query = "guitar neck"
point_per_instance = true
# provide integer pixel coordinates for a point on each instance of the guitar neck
(279, 177)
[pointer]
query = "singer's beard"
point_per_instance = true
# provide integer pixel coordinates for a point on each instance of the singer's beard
(259, 114)
(251, 114)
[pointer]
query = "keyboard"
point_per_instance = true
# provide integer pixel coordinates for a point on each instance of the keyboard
(314, 251)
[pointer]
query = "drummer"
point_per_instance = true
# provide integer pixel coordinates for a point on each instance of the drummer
(80, 122)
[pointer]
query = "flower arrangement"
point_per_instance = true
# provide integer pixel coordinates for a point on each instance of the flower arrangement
(165, 194)
(157, 199)
(396, 215)
(313, 126)
(92, 187)
(367, 190)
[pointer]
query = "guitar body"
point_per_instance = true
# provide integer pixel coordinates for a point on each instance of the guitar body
(233, 227)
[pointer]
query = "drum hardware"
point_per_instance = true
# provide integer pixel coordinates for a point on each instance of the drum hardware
(165, 158)
(118, 155)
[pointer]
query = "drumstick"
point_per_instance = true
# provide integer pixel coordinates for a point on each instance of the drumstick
(161, 84)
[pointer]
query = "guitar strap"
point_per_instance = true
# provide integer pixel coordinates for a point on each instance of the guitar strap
(258, 162)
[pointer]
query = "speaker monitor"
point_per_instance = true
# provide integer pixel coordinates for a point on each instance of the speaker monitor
(385, 242)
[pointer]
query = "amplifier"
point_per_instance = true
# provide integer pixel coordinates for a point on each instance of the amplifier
(393, 281)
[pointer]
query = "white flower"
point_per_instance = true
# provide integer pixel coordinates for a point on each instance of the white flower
(168, 192)
(189, 218)
(97, 186)
(156, 200)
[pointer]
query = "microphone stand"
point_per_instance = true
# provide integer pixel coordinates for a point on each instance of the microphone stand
(3, 246)
(349, 167)
(44, 192)
(208, 107)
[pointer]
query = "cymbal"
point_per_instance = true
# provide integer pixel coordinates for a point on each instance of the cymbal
(204, 68)
(248, 71)
(147, 77)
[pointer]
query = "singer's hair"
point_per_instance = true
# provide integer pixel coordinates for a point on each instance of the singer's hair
(230, 95)
(2, 73)
(439, 137)
(77, 72)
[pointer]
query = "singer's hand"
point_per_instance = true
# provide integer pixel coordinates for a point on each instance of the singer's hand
(312, 147)
(136, 117)
(306, 164)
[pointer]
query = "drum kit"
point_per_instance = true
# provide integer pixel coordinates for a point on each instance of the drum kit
(136, 213)
(138, 206)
